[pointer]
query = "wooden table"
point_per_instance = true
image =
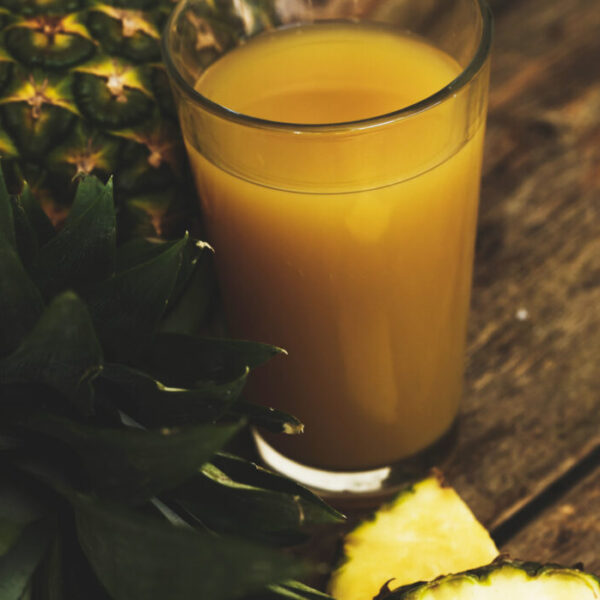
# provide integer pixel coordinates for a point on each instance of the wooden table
(528, 461)
(528, 457)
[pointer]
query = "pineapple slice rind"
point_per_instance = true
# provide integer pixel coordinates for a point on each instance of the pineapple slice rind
(502, 580)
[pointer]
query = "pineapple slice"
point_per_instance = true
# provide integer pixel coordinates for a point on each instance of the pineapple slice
(427, 531)
(504, 579)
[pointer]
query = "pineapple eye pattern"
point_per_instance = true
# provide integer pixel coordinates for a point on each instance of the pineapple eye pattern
(46, 42)
(126, 33)
(98, 76)
(109, 103)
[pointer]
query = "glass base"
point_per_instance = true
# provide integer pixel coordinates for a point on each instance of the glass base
(360, 488)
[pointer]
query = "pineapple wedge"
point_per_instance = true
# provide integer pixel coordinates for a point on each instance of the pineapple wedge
(505, 579)
(427, 531)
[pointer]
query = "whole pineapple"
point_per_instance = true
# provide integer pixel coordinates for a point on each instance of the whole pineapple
(83, 90)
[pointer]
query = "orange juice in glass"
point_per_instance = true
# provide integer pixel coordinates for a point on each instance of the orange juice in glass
(337, 152)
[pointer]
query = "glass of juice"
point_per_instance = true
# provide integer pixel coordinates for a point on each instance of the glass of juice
(336, 147)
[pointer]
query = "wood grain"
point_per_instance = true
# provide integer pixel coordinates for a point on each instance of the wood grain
(532, 406)
(567, 532)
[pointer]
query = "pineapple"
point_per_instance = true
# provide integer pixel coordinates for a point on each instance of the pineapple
(427, 545)
(83, 91)
(503, 578)
(115, 482)
(426, 531)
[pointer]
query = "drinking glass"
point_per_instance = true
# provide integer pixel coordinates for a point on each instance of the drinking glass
(346, 239)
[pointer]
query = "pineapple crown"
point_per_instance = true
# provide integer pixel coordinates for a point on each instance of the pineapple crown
(113, 420)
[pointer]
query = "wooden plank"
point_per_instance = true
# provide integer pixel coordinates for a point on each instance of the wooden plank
(532, 407)
(568, 532)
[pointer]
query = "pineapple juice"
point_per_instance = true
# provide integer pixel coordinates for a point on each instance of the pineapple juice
(351, 248)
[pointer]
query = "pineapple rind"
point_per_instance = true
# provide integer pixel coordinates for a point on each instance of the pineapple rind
(505, 579)
(425, 532)
(95, 65)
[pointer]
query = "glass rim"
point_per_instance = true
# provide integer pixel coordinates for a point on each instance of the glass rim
(458, 83)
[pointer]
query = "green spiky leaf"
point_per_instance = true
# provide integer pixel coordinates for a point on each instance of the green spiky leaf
(7, 146)
(36, 216)
(140, 250)
(7, 230)
(195, 306)
(271, 419)
(26, 237)
(187, 359)
(153, 404)
(20, 301)
(233, 495)
(18, 565)
(128, 307)
(17, 510)
(50, 573)
(85, 249)
(132, 465)
(61, 351)
(9, 533)
(167, 562)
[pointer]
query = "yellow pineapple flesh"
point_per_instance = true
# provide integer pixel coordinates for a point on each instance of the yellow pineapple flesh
(427, 531)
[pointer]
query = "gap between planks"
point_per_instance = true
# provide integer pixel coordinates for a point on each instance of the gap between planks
(547, 491)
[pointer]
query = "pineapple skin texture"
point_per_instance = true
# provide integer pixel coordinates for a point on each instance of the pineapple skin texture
(427, 531)
(83, 90)
(505, 579)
